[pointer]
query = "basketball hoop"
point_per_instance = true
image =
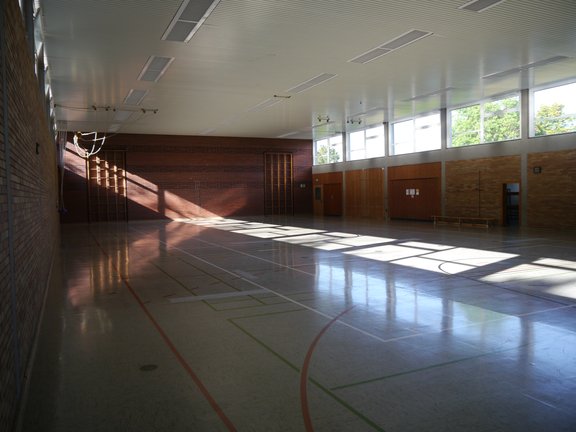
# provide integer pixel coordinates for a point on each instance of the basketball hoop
(89, 146)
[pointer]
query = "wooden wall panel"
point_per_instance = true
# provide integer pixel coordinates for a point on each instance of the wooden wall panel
(427, 170)
(364, 195)
(355, 195)
(474, 187)
(75, 187)
(425, 181)
(189, 176)
(321, 195)
(332, 177)
(375, 192)
(425, 203)
(552, 192)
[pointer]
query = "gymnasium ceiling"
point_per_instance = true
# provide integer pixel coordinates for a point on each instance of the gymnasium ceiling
(250, 66)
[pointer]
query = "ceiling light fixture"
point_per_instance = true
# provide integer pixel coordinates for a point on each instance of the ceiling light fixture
(392, 45)
(480, 5)
(188, 19)
(135, 97)
(427, 95)
(154, 68)
(312, 82)
(265, 104)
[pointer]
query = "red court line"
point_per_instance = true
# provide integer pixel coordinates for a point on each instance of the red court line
(173, 348)
(304, 372)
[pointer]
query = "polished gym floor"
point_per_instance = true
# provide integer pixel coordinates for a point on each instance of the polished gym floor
(296, 324)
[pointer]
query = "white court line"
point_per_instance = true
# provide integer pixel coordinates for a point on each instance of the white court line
(216, 296)
(262, 287)
(329, 317)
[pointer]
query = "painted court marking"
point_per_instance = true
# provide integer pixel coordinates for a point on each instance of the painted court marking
(268, 290)
(216, 296)
(304, 372)
(179, 357)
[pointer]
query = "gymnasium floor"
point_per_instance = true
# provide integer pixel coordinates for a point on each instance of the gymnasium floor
(295, 324)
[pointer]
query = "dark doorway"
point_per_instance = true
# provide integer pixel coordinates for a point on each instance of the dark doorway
(511, 205)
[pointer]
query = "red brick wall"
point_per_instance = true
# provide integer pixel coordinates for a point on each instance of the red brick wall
(28, 208)
(190, 176)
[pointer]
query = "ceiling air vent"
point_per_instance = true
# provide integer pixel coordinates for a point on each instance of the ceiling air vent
(480, 5)
(265, 104)
(311, 83)
(190, 16)
(134, 97)
(398, 42)
(154, 68)
(440, 92)
(405, 39)
(369, 56)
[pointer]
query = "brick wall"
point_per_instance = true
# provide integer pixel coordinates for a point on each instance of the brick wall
(552, 191)
(28, 208)
(474, 188)
(188, 176)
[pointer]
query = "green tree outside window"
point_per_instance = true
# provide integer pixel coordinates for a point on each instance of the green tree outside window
(492, 121)
(550, 120)
(327, 154)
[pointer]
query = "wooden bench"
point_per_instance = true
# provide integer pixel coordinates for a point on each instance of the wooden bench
(464, 220)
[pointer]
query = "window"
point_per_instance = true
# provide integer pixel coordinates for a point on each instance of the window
(489, 121)
(328, 150)
(367, 143)
(416, 135)
(554, 110)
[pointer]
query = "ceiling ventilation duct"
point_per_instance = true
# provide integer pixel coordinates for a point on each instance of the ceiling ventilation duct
(190, 16)
(394, 44)
(134, 97)
(265, 104)
(480, 5)
(154, 68)
(310, 83)
(369, 56)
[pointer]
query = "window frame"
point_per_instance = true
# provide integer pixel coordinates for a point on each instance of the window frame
(328, 139)
(364, 149)
(532, 107)
(391, 140)
(481, 103)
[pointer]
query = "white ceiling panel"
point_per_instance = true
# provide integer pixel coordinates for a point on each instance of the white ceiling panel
(247, 51)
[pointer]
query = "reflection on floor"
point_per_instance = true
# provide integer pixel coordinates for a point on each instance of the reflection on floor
(302, 325)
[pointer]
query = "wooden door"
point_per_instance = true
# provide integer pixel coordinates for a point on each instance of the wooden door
(107, 187)
(332, 199)
(417, 199)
